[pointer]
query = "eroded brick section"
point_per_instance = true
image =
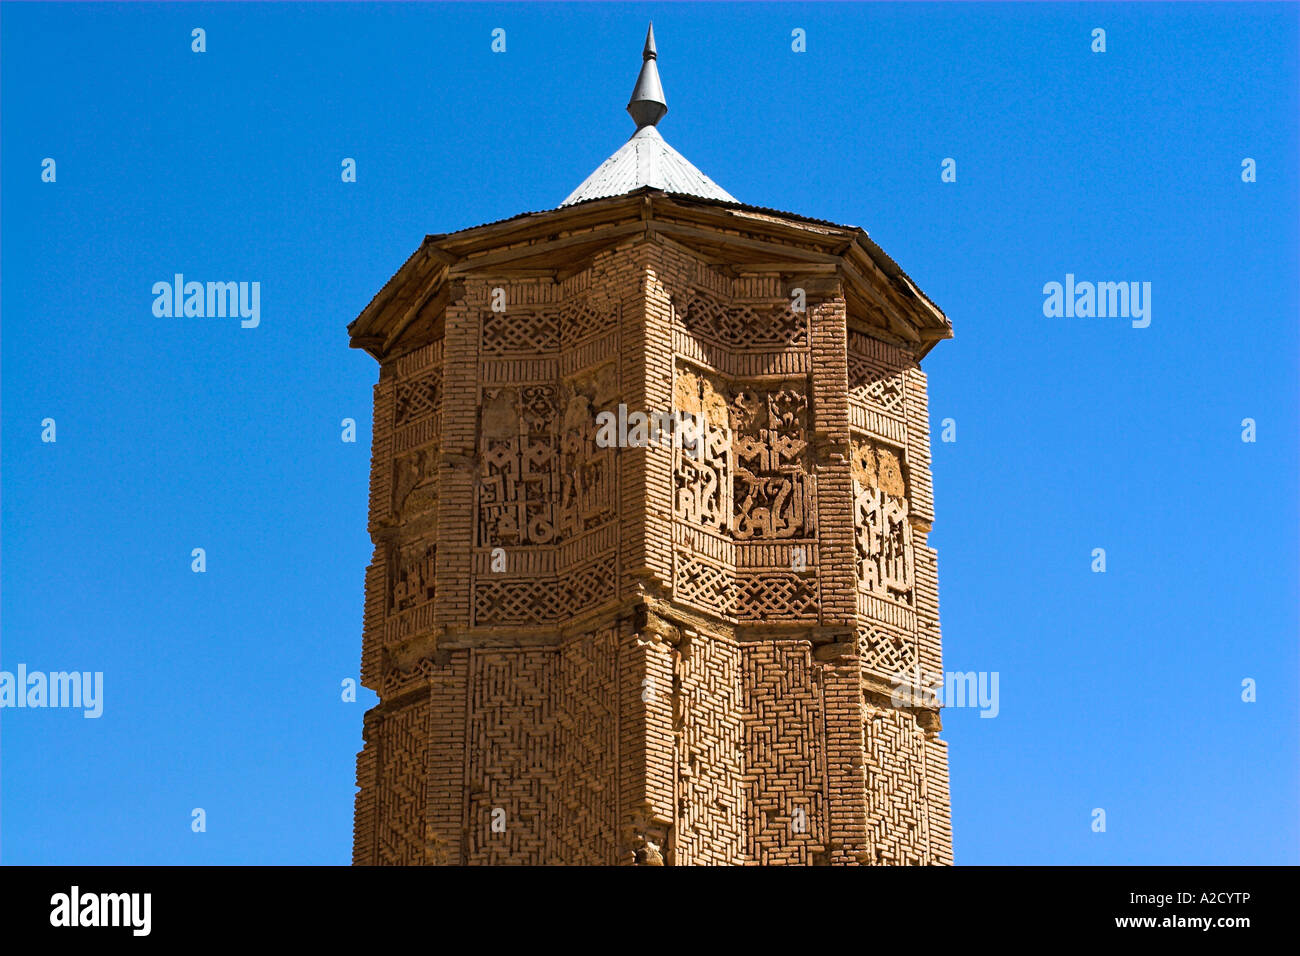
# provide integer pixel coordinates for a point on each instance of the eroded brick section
(647, 748)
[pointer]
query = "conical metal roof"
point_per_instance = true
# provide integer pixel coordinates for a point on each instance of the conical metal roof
(646, 159)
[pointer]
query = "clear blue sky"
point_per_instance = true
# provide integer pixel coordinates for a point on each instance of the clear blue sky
(222, 690)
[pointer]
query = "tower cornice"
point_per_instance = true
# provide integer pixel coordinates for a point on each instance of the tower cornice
(560, 242)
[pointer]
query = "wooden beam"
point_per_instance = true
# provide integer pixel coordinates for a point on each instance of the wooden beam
(789, 268)
(542, 223)
(924, 313)
(599, 237)
(437, 282)
(887, 309)
(716, 237)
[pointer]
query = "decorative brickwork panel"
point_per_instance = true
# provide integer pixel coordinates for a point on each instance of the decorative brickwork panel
(417, 399)
(785, 769)
(745, 470)
(777, 596)
(411, 569)
(582, 317)
(404, 496)
(547, 486)
(543, 749)
(706, 585)
(511, 736)
(886, 563)
(403, 767)
(415, 486)
(520, 332)
(517, 482)
(898, 797)
(876, 374)
(743, 473)
(582, 817)
(888, 653)
(549, 600)
(880, 394)
(516, 602)
(704, 463)
(709, 712)
(873, 383)
(773, 485)
(588, 489)
(740, 326)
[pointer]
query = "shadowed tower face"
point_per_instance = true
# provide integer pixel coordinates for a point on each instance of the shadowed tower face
(649, 496)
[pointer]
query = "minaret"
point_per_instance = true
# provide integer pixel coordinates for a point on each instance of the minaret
(650, 493)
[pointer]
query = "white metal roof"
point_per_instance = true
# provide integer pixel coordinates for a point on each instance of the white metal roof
(647, 160)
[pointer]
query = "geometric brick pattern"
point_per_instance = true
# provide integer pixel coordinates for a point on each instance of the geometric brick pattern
(403, 749)
(885, 651)
(711, 820)
(899, 805)
(786, 772)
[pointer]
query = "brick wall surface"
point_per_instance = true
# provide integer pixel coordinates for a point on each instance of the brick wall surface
(673, 651)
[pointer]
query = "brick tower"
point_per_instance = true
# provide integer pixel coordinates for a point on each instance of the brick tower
(599, 643)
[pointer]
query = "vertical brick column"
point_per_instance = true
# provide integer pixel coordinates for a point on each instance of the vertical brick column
(456, 467)
(372, 627)
(922, 518)
(647, 745)
(836, 541)
(830, 404)
(938, 801)
(646, 366)
(845, 770)
(446, 762)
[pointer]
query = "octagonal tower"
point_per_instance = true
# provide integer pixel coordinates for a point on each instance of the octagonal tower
(590, 647)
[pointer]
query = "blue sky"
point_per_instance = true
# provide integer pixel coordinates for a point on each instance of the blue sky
(1119, 690)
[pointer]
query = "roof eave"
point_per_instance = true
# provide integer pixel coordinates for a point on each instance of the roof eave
(419, 278)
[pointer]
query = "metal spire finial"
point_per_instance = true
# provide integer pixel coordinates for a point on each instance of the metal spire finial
(647, 105)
